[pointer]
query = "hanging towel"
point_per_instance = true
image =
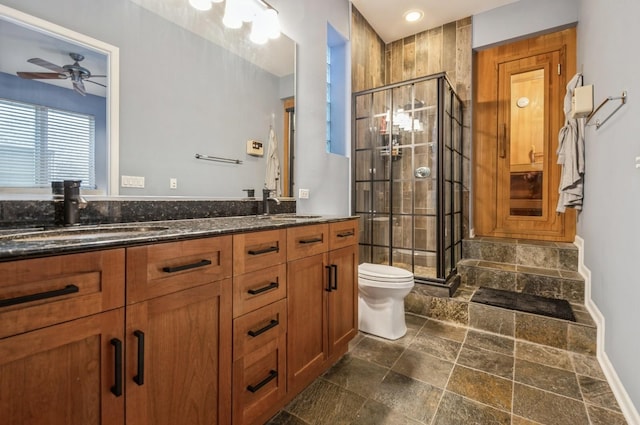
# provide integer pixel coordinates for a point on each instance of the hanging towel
(272, 180)
(571, 154)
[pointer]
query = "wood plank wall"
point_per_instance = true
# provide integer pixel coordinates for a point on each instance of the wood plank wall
(442, 49)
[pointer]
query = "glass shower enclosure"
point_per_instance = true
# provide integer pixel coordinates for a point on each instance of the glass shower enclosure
(407, 177)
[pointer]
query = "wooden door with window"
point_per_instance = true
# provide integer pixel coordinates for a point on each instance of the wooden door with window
(520, 89)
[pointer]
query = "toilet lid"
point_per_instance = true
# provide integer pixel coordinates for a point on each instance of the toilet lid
(384, 273)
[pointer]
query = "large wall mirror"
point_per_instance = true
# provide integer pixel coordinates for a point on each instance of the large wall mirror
(186, 86)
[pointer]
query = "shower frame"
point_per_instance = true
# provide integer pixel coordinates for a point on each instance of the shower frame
(446, 156)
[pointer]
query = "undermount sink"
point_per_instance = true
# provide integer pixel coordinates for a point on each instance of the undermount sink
(74, 233)
(292, 216)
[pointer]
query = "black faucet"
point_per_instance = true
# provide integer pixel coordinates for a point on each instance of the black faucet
(265, 200)
(73, 202)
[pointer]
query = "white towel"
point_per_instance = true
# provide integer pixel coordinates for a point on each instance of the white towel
(272, 179)
(571, 154)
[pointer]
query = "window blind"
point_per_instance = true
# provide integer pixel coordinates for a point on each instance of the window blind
(39, 145)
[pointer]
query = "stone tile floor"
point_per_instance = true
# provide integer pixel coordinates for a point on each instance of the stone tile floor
(443, 374)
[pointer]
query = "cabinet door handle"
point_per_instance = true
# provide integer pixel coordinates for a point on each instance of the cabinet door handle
(272, 324)
(69, 289)
(200, 263)
(272, 285)
(139, 378)
(116, 389)
(263, 251)
(334, 267)
(328, 288)
(345, 234)
(307, 241)
(272, 375)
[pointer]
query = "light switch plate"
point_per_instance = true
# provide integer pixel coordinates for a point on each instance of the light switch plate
(132, 181)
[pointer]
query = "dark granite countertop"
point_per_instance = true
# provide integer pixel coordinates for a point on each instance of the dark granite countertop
(34, 242)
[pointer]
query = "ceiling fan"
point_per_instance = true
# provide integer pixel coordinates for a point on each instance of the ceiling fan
(77, 73)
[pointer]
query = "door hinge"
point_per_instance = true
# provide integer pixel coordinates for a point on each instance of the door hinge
(559, 69)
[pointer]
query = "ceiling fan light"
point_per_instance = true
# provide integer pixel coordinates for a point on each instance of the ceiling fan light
(200, 4)
(232, 14)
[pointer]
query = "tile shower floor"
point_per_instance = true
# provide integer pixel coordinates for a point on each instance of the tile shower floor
(443, 374)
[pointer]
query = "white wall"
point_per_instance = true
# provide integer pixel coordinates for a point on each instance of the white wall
(325, 175)
(524, 17)
(608, 33)
(610, 222)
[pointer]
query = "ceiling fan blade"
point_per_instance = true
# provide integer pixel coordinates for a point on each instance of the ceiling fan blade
(98, 84)
(41, 75)
(46, 64)
(78, 87)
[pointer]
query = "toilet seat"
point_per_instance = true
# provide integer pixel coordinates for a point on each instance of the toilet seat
(383, 276)
(384, 273)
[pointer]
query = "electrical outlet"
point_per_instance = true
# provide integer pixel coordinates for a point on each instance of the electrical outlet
(303, 193)
(173, 183)
(132, 181)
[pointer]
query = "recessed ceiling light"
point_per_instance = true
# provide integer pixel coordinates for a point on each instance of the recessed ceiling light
(413, 15)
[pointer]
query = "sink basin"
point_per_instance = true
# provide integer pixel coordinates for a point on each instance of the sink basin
(292, 217)
(75, 233)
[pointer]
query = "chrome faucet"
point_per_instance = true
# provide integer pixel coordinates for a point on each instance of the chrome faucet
(265, 200)
(73, 202)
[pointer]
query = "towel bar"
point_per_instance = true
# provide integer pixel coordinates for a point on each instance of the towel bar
(218, 159)
(598, 123)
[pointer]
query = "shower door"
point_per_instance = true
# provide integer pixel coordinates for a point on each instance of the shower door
(407, 176)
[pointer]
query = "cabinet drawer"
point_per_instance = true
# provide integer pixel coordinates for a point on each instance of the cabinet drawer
(257, 289)
(305, 241)
(259, 382)
(257, 250)
(254, 329)
(45, 291)
(155, 270)
(343, 233)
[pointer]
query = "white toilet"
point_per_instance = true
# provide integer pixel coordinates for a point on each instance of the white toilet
(381, 299)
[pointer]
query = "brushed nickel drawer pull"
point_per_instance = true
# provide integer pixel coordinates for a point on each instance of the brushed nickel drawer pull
(314, 240)
(272, 285)
(272, 324)
(69, 289)
(263, 251)
(272, 375)
(200, 263)
(345, 234)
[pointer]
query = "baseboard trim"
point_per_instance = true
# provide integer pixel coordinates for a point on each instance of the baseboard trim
(626, 405)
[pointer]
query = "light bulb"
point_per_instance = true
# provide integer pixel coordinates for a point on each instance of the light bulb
(259, 29)
(200, 4)
(232, 14)
(272, 23)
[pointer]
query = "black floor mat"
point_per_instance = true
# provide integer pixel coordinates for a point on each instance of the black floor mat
(550, 307)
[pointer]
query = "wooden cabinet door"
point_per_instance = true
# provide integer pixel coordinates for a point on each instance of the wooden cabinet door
(186, 372)
(343, 298)
(63, 374)
(307, 319)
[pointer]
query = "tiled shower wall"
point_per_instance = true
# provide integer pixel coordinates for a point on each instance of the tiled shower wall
(442, 49)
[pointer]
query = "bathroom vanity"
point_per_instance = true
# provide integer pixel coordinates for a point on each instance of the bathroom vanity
(209, 321)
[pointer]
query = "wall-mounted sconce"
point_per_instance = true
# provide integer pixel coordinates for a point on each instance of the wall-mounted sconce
(264, 20)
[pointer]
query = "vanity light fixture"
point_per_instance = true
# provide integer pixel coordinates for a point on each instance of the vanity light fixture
(264, 20)
(413, 15)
